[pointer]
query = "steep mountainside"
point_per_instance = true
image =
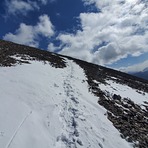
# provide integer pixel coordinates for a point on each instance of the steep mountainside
(53, 101)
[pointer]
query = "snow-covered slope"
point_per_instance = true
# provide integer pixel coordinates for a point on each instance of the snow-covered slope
(48, 107)
(56, 102)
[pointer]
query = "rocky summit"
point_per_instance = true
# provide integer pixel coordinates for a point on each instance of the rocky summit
(54, 101)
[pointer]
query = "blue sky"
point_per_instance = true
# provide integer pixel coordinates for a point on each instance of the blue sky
(109, 33)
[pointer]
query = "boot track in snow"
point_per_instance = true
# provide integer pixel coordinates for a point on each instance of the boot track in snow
(69, 114)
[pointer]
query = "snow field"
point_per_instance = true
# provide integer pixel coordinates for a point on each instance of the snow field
(43, 106)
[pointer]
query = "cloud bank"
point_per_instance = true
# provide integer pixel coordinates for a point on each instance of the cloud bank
(135, 68)
(29, 35)
(119, 29)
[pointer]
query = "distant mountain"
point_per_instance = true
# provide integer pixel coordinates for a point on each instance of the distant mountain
(143, 74)
(53, 101)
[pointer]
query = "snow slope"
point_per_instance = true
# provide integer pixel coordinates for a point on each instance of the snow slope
(43, 106)
(124, 91)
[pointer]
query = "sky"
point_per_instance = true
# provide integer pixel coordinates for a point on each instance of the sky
(108, 33)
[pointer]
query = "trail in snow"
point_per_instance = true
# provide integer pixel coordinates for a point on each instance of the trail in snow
(69, 113)
(17, 130)
(84, 123)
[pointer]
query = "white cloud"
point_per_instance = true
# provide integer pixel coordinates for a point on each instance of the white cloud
(44, 2)
(52, 48)
(45, 27)
(29, 35)
(120, 29)
(24, 35)
(135, 68)
(14, 7)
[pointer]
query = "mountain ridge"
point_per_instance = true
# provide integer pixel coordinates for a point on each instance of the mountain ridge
(129, 117)
(42, 56)
(142, 74)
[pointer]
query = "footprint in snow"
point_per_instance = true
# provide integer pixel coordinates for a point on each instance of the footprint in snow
(100, 145)
(79, 142)
(1, 134)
